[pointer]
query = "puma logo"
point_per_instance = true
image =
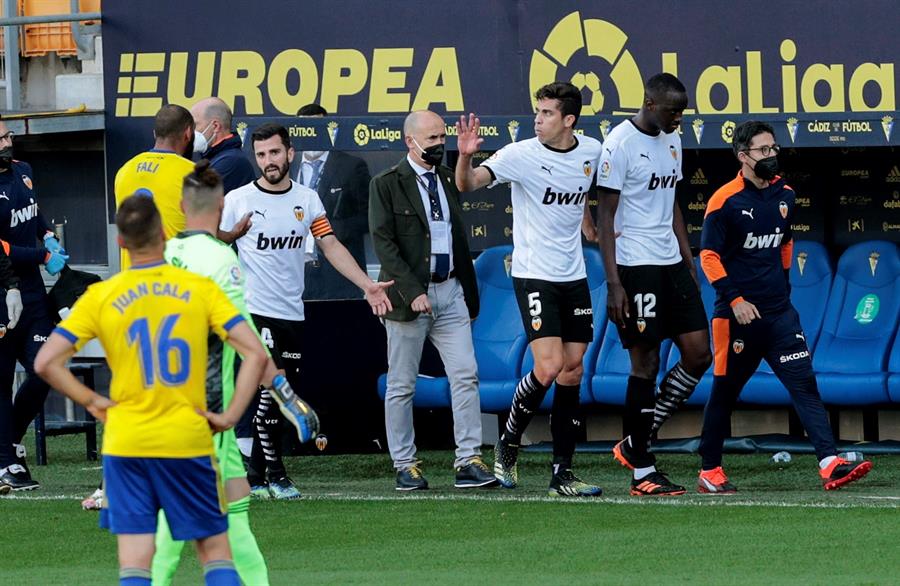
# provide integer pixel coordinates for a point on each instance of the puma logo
(261, 213)
(607, 150)
(646, 156)
(549, 170)
(748, 213)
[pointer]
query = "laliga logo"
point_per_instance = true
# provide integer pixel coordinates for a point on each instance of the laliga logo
(362, 134)
(728, 131)
(596, 38)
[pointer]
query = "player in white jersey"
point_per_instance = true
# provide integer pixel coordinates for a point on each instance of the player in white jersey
(284, 215)
(650, 274)
(551, 175)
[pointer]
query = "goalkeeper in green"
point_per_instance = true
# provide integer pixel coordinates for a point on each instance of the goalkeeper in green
(196, 249)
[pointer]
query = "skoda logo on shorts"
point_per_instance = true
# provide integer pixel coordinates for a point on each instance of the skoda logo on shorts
(536, 323)
(738, 346)
(597, 44)
(641, 325)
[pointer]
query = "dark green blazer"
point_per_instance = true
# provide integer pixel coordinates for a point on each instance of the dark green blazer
(402, 239)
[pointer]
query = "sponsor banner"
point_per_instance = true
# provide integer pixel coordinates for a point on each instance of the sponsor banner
(697, 132)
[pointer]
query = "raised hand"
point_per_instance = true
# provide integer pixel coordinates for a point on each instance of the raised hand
(467, 140)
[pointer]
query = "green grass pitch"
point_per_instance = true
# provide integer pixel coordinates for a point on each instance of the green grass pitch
(351, 527)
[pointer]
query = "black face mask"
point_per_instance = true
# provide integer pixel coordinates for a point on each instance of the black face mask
(767, 168)
(6, 157)
(433, 155)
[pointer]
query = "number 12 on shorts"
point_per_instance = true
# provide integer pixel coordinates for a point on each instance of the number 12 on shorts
(645, 303)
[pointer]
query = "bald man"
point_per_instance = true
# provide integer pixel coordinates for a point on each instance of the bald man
(214, 140)
(418, 235)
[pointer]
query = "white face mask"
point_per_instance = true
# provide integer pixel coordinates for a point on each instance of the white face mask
(200, 142)
(313, 155)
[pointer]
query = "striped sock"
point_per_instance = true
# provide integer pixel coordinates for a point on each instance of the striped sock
(529, 394)
(220, 573)
(134, 577)
(674, 390)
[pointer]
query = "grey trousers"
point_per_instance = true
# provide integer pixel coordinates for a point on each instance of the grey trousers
(449, 329)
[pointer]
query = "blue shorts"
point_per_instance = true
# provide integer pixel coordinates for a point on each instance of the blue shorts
(186, 489)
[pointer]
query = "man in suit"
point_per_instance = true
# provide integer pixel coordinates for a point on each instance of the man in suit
(342, 182)
(418, 235)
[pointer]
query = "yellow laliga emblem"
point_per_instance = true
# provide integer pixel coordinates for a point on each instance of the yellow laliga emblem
(361, 134)
(536, 323)
(591, 37)
(299, 213)
(641, 325)
(728, 131)
(587, 168)
(783, 208)
(738, 346)
(801, 262)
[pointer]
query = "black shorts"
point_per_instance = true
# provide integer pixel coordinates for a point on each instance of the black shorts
(283, 338)
(555, 310)
(663, 302)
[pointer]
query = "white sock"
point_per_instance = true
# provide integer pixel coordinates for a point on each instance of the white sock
(825, 462)
(640, 473)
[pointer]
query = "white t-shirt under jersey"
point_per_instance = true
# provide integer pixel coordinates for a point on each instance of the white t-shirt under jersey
(272, 251)
(549, 189)
(644, 169)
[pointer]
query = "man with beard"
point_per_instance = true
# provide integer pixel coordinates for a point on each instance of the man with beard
(272, 255)
(160, 172)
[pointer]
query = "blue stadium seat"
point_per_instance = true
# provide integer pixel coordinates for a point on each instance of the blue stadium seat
(597, 284)
(860, 322)
(497, 332)
(811, 275)
(701, 393)
(894, 372)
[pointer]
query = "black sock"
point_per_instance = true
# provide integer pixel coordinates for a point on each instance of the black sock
(565, 425)
(638, 419)
(674, 390)
(529, 394)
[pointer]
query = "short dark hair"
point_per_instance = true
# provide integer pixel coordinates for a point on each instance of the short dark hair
(139, 221)
(267, 131)
(568, 95)
(312, 110)
(171, 120)
(745, 132)
(661, 84)
(201, 188)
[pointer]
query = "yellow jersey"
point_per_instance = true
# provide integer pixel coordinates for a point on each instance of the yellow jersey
(158, 174)
(154, 323)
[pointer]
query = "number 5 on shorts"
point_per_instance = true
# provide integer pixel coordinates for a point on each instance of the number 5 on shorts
(534, 304)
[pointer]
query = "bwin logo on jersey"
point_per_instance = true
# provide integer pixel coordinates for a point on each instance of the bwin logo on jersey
(665, 182)
(279, 242)
(764, 240)
(22, 215)
(551, 197)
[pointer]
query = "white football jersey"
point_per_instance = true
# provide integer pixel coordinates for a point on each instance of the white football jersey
(272, 252)
(644, 169)
(549, 189)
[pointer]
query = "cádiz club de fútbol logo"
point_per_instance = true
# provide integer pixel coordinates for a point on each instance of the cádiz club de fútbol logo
(591, 54)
